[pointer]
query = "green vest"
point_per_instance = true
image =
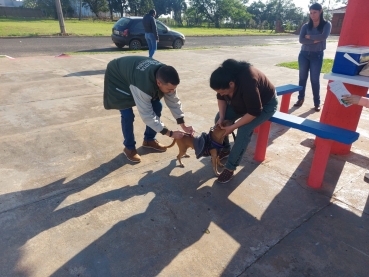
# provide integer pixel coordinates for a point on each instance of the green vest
(123, 72)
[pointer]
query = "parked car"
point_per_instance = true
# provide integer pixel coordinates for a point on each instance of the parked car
(130, 31)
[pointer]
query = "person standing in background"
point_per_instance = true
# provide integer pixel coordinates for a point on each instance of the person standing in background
(151, 32)
(313, 38)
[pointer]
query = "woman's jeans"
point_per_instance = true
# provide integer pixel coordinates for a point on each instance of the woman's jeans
(151, 42)
(312, 61)
(245, 132)
(127, 118)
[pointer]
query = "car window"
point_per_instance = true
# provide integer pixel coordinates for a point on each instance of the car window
(139, 27)
(160, 26)
(122, 22)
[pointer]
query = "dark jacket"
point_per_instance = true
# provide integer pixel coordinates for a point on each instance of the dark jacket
(149, 24)
(252, 92)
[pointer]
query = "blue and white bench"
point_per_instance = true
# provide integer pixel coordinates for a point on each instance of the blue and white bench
(286, 92)
(325, 133)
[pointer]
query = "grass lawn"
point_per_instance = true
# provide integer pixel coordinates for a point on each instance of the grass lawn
(326, 68)
(15, 27)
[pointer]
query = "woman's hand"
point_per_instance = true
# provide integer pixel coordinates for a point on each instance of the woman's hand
(219, 122)
(351, 99)
(188, 129)
(307, 36)
(228, 129)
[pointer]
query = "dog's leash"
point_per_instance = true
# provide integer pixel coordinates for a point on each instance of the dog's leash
(234, 136)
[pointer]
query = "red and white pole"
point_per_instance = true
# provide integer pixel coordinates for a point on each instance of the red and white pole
(354, 32)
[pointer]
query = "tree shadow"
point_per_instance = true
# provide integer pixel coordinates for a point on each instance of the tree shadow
(179, 211)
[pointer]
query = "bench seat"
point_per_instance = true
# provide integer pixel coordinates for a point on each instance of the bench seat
(325, 133)
(286, 91)
(319, 129)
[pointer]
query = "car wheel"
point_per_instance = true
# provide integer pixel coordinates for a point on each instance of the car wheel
(177, 44)
(135, 44)
(119, 45)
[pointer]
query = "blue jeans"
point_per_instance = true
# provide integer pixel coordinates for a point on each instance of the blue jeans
(127, 118)
(151, 42)
(245, 132)
(312, 61)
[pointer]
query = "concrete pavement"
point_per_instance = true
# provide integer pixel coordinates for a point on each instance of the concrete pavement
(72, 205)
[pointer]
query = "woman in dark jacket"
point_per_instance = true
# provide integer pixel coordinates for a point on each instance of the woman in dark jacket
(244, 94)
(313, 36)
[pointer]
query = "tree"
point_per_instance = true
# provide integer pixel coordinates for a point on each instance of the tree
(118, 6)
(215, 10)
(48, 6)
(239, 14)
(273, 10)
(140, 7)
(96, 6)
(193, 17)
(178, 7)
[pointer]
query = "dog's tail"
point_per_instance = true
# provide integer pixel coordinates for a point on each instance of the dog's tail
(171, 145)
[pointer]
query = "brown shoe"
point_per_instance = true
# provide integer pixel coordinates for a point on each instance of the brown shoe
(299, 103)
(132, 155)
(317, 108)
(154, 144)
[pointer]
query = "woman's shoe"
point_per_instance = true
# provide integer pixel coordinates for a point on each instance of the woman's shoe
(317, 108)
(299, 103)
(225, 176)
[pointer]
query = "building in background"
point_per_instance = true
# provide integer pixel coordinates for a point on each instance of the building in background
(10, 3)
(337, 20)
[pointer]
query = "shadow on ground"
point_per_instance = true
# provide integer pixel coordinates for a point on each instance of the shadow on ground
(182, 211)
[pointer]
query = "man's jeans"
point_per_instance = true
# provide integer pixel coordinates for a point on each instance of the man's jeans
(127, 118)
(245, 132)
(151, 42)
(312, 61)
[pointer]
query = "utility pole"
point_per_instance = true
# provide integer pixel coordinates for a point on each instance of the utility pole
(80, 9)
(60, 17)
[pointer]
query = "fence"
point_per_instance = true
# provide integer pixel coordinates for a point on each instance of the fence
(20, 12)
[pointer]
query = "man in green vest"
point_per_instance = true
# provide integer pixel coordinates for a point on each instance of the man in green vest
(142, 82)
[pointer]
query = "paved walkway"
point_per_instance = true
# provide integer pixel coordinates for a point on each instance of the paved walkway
(71, 204)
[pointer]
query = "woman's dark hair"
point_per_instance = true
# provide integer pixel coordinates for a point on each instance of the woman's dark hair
(167, 74)
(226, 73)
(152, 12)
(322, 21)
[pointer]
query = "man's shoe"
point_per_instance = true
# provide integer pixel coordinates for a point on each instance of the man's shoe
(225, 176)
(132, 155)
(299, 103)
(224, 154)
(154, 144)
(366, 176)
(317, 108)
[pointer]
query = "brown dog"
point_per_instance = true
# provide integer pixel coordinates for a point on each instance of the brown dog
(187, 142)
